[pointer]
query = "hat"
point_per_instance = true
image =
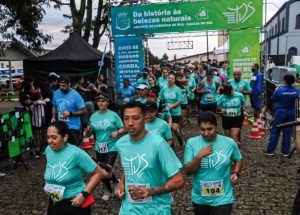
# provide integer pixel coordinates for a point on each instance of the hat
(103, 96)
(142, 86)
(151, 106)
(152, 93)
(126, 80)
(54, 74)
(144, 71)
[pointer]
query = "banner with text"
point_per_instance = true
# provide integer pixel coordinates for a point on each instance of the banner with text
(186, 16)
(129, 58)
(244, 50)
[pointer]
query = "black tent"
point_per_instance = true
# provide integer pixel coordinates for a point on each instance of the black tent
(75, 57)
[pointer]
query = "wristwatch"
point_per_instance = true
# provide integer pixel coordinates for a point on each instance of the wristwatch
(85, 194)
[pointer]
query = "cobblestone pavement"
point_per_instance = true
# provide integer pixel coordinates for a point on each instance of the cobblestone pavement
(267, 184)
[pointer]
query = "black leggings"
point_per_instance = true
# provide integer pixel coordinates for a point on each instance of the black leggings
(65, 207)
(108, 158)
(212, 210)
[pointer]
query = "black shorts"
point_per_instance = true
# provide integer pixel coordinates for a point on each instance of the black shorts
(209, 107)
(107, 158)
(216, 210)
(75, 137)
(183, 106)
(232, 122)
(65, 207)
(175, 119)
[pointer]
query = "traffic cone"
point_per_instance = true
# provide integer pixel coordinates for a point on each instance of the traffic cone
(245, 121)
(85, 140)
(254, 131)
(260, 126)
(92, 140)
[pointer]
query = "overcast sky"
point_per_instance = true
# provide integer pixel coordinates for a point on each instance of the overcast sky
(54, 22)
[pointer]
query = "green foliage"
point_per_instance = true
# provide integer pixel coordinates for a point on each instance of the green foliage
(20, 19)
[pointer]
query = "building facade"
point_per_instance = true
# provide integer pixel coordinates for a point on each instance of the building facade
(282, 33)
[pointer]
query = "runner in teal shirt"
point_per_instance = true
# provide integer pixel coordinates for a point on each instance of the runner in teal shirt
(215, 162)
(156, 125)
(231, 105)
(151, 168)
(172, 96)
(108, 127)
(163, 80)
(104, 124)
(66, 166)
(240, 85)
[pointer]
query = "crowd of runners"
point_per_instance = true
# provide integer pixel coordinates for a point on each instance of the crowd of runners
(143, 127)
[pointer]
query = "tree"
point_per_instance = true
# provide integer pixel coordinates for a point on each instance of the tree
(20, 19)
(164, 57)
(83, 21)
(152, 59)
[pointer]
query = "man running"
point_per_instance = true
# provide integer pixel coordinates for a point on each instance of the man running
(155, 124)
(151, 169)
(68, 106)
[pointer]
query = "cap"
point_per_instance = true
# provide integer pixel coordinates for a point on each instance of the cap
(144, 71)
(103, 96)
(142, 86)
(151, 106)
(126, 80)
(54, 74)
(152, 93)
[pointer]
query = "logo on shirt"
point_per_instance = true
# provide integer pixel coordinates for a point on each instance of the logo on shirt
(135, 165)
(214, 160)
(102, 124)
(62, 103)
(170, 95)
(56, 171)
(155, 131)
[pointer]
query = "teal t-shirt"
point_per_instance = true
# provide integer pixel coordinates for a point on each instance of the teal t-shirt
(141, 100)
(171, 96)
(65, 170)
(232, 105)
(149, 162)
(190, 87)
(212, 96)
(238, 85)
(216, 78)
(162, 82)
(142, 81)
(184, 96)
(160, 127)
(103, 124)
(211, 183)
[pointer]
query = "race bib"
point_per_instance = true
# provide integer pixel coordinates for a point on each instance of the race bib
(62, 118)
(103, 148)
(146, 200)
(253, 78)
(231, 111)
(212, 188)
(56, 192)
(209, 97)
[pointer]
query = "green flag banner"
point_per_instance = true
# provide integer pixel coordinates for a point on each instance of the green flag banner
(244, 50)
(186, 16)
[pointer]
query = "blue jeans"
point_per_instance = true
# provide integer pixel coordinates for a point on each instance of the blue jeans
(275, 133)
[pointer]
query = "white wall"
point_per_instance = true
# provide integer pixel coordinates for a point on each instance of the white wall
(294, 11)
(14, 64)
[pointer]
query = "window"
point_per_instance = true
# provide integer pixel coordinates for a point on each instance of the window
(297, 22)
(272, 31)
(275, 29)
(2, 65)
(292, 52)
(283, 23)
(279, 26)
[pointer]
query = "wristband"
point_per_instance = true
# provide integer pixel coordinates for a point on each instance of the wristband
(71, 114)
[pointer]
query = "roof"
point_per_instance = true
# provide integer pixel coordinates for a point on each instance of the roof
(75, 48)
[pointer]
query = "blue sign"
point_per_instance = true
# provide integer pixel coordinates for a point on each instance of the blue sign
(129, 58)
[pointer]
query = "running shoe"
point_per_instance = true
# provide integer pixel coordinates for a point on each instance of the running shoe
(268, 153)
(2, 174)
(284, 155)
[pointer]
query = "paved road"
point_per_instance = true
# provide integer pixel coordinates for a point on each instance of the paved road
(267, 185)
(6, 106)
